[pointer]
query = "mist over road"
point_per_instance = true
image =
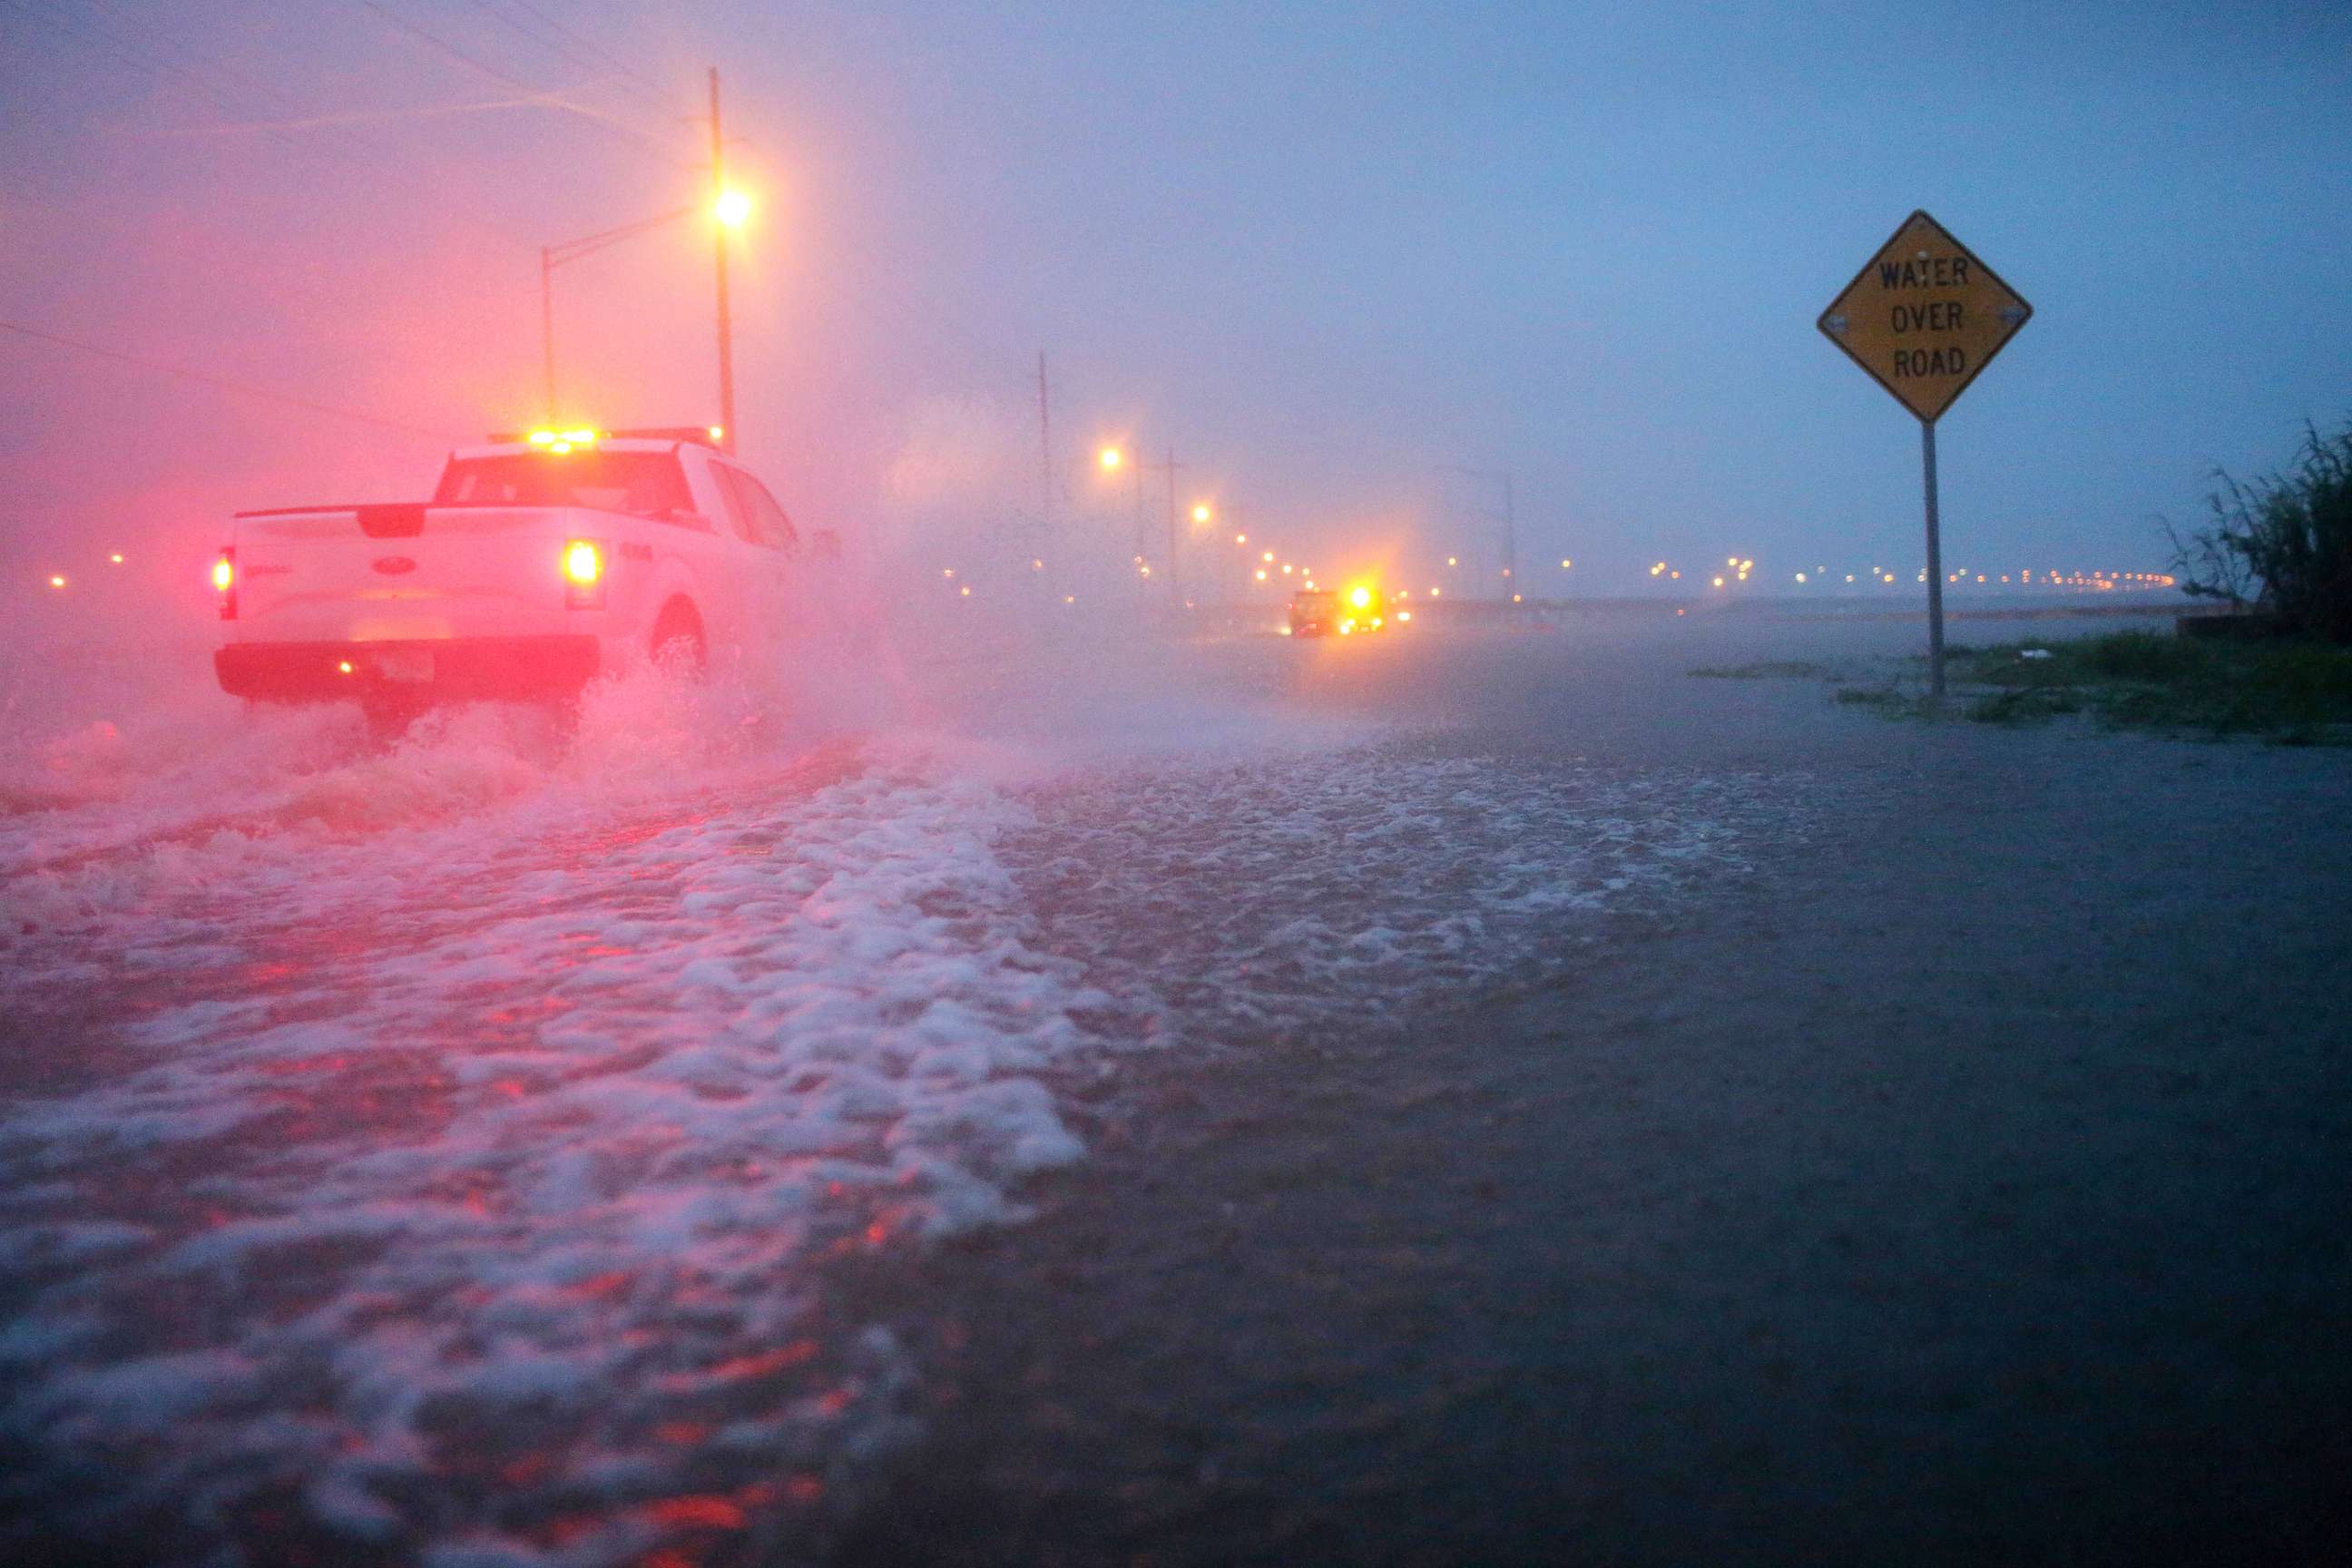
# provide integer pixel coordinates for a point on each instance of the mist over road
(1460, 1096)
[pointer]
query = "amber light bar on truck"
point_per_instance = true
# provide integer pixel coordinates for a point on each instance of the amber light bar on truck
(578, 437)
(225, 581)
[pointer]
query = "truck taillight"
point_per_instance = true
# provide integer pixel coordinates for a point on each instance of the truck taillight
(225, 581)
(583, 574)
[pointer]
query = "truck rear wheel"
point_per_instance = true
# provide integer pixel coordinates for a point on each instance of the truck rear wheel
(678, 643)
(389, 714)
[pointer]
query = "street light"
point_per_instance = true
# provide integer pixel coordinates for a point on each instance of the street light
(1510, 520)
(1111, 460)
(729, 209)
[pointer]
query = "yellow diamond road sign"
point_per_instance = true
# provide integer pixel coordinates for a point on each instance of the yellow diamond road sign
(1924, 317)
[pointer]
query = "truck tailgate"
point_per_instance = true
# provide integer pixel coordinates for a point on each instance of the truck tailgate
(379, 573)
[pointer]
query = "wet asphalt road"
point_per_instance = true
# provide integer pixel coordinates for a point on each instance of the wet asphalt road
(1967, 1184)
(1462, 1098)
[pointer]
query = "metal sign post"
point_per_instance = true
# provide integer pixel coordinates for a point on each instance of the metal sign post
(1934, 564)
(1924, 317)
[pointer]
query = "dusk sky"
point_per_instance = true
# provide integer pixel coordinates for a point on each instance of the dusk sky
(1318, 250)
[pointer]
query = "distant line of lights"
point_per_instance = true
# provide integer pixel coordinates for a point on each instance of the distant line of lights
(1737, 569)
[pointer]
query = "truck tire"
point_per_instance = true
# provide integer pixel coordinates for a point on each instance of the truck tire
(678, 643)
(389, 714)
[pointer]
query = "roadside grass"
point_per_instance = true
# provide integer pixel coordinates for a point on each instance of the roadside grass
(1764, 669)
(2293, 693)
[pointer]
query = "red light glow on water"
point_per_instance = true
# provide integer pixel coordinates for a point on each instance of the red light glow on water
(701, 1511)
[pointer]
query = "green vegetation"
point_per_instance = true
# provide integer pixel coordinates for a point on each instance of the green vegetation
(2281, 544)
(2297, 693)
(1767, 670)
(2286, 691)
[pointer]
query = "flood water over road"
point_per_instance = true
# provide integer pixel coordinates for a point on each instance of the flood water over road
(1463, 1097)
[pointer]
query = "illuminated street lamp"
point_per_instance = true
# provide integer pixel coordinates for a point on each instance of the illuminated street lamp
(1508, 517)
(729, 209)
(1110, 460)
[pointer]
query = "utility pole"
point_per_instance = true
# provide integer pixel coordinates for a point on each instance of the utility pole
(1142, 528)
(1045, 467)
(726, 323)
(1175, 572)
(547, 325)
(1510, 539)
(1509, 520)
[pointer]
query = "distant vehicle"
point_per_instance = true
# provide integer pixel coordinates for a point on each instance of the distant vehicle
(541, 561)
(1317, 612)
(1314, 612)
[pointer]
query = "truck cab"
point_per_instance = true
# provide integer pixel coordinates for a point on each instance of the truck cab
(541, 561)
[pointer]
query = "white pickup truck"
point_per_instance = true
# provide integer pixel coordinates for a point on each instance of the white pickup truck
(540, 562)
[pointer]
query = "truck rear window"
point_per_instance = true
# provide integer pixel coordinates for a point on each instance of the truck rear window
(642, 484)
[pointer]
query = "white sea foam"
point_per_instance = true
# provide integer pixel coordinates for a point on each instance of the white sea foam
(475, 1118)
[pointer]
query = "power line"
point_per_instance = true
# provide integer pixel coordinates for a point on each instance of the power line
(644, 145)
(567, 44)
(225, 384)
(616, 62)
(106, 41)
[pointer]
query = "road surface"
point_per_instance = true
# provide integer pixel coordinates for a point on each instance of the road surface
(1461, 1097)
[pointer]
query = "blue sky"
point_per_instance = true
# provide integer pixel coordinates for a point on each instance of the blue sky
(1318, 249)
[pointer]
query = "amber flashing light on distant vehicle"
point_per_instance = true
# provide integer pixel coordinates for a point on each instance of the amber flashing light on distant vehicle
(225, 581)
